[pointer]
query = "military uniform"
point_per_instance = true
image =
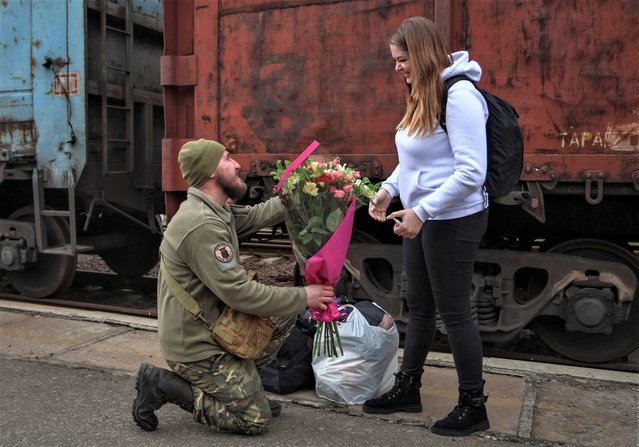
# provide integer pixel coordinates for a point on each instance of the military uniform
(200, 249)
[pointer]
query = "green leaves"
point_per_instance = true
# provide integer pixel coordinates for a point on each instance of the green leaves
(333, 220)
(315, 232)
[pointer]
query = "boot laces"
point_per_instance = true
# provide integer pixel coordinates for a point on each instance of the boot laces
(459, 412)
(400, 387)
(394, 392)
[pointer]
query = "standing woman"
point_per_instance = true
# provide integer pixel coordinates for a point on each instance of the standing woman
(439, 179)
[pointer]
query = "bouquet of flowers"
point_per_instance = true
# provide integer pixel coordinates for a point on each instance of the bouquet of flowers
(321, 198)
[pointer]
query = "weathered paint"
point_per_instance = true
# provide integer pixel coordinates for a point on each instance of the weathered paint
(39, 49)
(271, 79)
(17, 130)
(571, 68)
(50, 62)
(267, 77)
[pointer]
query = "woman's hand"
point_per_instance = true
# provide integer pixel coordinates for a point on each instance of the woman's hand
(407, 224)
(379, 205)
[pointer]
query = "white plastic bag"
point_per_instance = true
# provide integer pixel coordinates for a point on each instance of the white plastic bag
(367, 367)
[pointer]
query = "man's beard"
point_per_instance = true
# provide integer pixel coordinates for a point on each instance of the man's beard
(233, 187)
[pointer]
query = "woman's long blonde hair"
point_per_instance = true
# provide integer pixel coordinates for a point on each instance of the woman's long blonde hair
(428, 55)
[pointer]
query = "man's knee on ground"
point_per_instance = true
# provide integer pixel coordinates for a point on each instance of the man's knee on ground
(254, 428)
(250, 416)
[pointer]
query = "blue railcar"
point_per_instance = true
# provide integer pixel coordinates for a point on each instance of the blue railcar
(81, 123)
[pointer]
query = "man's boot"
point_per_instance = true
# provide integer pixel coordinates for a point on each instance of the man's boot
(404, 396)
(467, 417)
(178, 391)
(155, 387)
(276, 407)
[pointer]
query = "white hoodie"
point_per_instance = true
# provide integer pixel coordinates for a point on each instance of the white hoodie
(441, 176)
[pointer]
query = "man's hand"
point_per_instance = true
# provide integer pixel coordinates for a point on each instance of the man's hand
(318, 295)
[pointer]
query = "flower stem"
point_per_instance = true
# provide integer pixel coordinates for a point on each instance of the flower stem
(318, 339)
(339, 339)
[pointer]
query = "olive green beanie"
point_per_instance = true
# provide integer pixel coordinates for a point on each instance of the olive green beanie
(198, 159)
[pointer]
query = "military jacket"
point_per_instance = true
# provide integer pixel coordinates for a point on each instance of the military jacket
(201, 251)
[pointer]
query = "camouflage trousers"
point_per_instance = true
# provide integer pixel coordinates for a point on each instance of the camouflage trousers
(227, 390)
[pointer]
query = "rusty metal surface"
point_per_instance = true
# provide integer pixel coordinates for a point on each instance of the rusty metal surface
(17, 141)
(571, 69)
(268, 77)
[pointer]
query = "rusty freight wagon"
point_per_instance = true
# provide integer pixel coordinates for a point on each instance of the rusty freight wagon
(267, 77)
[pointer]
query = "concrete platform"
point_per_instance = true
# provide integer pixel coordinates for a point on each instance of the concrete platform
(529, 402)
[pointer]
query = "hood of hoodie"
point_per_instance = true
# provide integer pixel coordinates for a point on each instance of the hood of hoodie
(462, 65)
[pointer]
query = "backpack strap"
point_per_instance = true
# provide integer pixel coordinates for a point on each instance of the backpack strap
(448, 83)
(182, 295)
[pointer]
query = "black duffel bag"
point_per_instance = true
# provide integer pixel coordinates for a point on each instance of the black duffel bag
(292, 370)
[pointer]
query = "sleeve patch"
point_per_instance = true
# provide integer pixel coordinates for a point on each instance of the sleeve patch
(224, 256)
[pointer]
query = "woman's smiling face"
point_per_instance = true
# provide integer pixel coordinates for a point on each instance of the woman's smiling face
(402, 62)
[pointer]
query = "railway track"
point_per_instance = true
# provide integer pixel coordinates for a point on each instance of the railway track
(81, 305)
(264, 249)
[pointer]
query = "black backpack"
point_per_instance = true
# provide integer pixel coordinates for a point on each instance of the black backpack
(292, 370)
(504, 141)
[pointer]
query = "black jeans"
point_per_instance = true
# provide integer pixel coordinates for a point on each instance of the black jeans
(439, 268)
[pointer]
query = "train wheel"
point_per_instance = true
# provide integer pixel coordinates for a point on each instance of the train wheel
(52, 273)
(139, 255)
(586, 347)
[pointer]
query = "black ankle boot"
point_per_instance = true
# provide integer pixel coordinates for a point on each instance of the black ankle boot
(404, 396)
(150, 395)
(467, 417)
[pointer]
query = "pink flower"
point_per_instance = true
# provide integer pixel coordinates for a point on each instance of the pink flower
(347, 188)
(339, 194)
